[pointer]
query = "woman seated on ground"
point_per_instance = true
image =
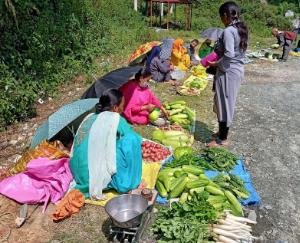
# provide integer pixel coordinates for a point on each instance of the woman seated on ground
(180, 58)
(161, 67)
(106, 151)
(139, 99)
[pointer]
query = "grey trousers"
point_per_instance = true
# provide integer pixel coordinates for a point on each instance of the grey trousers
(286, 49)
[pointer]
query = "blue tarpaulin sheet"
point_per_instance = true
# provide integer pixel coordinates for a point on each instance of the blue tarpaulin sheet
(239, 170)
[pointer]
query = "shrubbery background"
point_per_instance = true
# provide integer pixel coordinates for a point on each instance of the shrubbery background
(45, 43)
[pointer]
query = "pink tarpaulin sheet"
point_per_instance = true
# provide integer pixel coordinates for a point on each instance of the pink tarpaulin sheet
(44, 180)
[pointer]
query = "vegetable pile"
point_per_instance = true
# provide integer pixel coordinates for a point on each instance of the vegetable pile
(172, 138)
(186, 222)
(180, 114)
(232, 229)
(192, 86)
(201, 213)
(232, 183)
(153, 152)
(182, 182)
(195, 83)
(218, 159)
(199, 71)
(172, 127)
(181, 151)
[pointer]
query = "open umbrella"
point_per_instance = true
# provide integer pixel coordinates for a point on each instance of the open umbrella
(212, 33)
(139, 54)
(66, 118)
(115, 79)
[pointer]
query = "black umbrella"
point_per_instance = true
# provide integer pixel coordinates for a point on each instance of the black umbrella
(212, 33)
(115, 79)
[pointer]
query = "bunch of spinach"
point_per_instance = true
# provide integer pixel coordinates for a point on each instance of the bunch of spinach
(186, 222)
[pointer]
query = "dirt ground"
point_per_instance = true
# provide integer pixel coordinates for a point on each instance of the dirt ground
(265, 130)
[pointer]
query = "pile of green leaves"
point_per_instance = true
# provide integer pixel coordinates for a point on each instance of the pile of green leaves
(219, 159)
(186, 222)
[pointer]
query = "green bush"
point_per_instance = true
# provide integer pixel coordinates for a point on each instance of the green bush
(45, 43)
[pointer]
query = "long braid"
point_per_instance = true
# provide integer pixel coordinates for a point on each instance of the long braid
(232, 11)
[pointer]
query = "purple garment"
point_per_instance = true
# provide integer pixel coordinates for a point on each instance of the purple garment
(44, 180)
(160, 69)
(154, 53)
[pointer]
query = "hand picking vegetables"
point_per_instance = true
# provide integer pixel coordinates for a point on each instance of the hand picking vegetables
(154, 152)
(232, 229)
(180, 113)
(172, 138)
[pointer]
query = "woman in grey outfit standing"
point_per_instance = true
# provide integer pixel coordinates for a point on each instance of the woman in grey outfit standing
(231, 49)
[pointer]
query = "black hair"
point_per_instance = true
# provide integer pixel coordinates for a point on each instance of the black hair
(109, 99)
(143, 72)
(233, 11)
(195, 40)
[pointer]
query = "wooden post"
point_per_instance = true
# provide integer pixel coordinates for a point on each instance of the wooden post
(162, 9)
(172, 7)
(151, 13)
(161, 13)
(135, 5)
(168, 15)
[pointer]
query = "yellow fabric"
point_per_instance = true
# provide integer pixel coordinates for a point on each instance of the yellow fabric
(150, 172)
(294, 54)
(143, 49)
(179, 56)
(149, 176)
(108, 195)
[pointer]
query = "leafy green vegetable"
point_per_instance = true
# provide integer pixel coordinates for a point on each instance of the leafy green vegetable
(180, 151)
(186, 222)
(211, 159)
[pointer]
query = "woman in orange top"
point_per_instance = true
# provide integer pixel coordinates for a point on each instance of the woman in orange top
(180, 57)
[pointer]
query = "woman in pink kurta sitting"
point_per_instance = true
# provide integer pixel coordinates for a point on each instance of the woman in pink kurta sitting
(139, 99)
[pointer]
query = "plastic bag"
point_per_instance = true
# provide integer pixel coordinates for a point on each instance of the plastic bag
(44, 150)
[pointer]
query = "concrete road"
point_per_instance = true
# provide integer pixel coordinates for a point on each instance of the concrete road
(266, 130)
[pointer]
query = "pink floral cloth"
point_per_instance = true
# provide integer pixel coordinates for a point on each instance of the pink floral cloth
(136, 97)
(44, 180)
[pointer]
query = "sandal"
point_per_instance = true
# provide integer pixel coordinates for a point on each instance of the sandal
(217, 143)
